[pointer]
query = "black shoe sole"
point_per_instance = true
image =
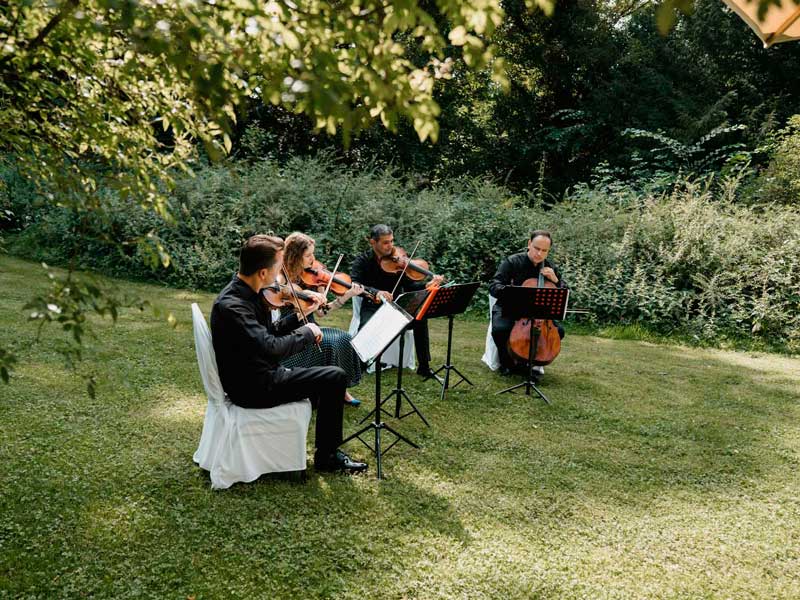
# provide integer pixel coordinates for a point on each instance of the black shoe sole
(346, 470)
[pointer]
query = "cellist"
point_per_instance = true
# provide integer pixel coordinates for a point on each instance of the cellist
(514, 270)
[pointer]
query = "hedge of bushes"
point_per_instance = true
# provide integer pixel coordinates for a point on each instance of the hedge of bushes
(693, 260)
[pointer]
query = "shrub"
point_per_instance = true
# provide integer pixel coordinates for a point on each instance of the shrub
(780, 181)
(693, 260)
(689, 260)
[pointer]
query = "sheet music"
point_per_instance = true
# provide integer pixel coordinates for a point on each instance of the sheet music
(385, 325)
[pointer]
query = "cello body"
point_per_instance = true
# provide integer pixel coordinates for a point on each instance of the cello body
(549, 343)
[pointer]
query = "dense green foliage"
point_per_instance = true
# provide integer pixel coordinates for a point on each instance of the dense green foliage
(579, 80)
(688, 260)
(659, 471)
(780, 181)
(107, 99)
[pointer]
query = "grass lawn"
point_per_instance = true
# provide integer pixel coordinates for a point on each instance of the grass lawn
(659, 471)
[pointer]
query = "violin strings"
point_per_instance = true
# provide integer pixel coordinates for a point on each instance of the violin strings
(403, 272)
(296, 300)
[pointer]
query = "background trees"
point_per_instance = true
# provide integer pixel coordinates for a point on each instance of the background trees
(578, 81)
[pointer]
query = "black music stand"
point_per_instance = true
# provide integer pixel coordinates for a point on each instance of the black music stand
(449, 301)
(411, 303)
(370, 343)
(533, 303)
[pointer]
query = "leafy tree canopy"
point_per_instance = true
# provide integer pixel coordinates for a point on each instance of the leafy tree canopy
(129, 84)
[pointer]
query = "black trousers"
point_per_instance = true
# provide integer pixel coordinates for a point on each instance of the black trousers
(422, 343)
(325, 387)
(501, 331)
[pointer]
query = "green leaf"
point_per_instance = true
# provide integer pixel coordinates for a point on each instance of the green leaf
(665, 17)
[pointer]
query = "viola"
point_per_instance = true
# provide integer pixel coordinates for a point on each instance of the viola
(317, 275)
(416, 269)
(549, 343)
(278, 295)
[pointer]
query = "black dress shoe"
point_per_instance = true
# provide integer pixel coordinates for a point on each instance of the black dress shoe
(339, 461)
(425, 371)
(506, 371)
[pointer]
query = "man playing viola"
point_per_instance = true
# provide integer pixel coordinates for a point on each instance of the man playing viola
(367, 271)
(514, 270)
(249, 348)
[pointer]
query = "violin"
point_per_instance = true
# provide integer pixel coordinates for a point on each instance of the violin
(317, 275)
(278, 295)
(416, 269)
(549, 343)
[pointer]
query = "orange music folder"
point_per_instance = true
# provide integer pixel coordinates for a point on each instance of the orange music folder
(424, 308)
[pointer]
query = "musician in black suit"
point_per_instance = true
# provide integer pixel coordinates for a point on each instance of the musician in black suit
(514, 270)
(249, 348)
(367, 271)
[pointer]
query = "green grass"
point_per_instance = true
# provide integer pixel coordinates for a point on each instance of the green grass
(659, 471)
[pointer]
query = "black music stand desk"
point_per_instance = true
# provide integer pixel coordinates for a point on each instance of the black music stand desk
(450, 300)
(370, 343)
(533, 303)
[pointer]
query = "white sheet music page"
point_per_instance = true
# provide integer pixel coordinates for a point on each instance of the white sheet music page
(385, 325)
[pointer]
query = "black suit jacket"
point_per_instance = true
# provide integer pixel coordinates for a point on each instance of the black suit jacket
(248, 346)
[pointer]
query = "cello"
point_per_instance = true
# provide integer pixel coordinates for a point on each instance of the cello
(548, 344)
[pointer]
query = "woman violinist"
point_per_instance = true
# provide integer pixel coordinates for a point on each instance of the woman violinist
(336, 349)
(516, 270)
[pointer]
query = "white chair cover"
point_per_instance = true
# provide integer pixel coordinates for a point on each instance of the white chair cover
(241, 444)
(392, 352)
(490, 355)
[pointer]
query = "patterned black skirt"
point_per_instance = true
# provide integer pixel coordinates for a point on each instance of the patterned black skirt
(336, 352)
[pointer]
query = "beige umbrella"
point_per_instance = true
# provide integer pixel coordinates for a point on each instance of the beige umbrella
(779, 24)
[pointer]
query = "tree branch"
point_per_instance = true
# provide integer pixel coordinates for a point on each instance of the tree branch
(68, 7)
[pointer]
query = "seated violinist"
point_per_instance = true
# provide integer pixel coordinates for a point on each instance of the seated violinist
(336, 348)
(514, 270)
(367, 271)
(249, 348)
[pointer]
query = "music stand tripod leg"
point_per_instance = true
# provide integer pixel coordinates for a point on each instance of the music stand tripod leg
(529, 383)
(378, 452)
(413, 410)
(399, 393)
(446, 380)
(377, 425)
(447, 367)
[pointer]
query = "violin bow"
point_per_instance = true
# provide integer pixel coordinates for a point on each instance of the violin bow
(296, 300)
(333, 274)
(408, 262)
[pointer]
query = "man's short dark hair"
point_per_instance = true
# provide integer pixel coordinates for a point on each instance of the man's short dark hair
(540, 233)
(259, 252)
(378, 231)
